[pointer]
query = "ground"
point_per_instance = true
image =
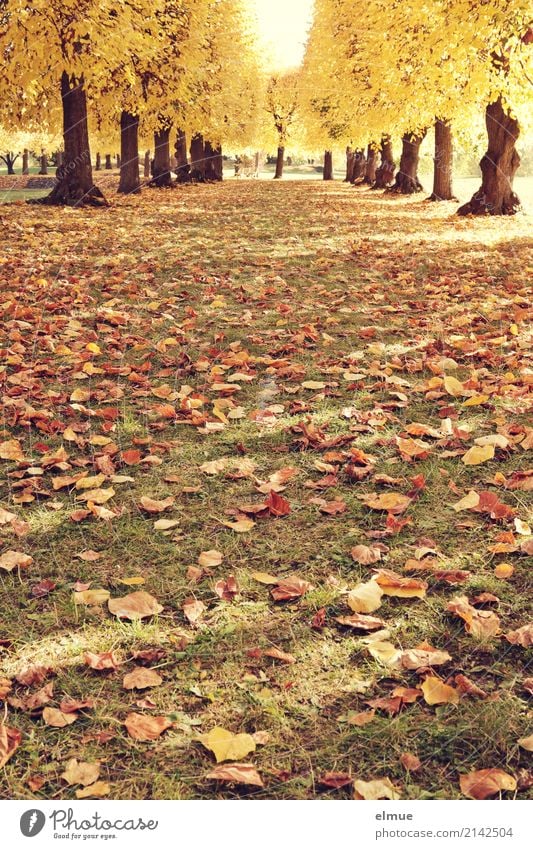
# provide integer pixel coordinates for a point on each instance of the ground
(187, 345)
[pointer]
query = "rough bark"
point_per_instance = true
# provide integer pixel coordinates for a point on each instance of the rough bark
(129, 182)
(213, 162)
(442, 162)
(74, 186)
(498, 166)
(359, 166)
(407, 182)
(161, 175)
(279, 163)
(108, 163)
(387, 165)
(328, 165)
(43, 162)
(119, 160)
(146, 171)
(197, 152)
(26, 161)
(349, 165)
(59, 158)
(98, 165)
(371, 165)
(183, 169)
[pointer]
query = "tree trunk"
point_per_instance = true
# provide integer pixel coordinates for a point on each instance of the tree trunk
(74, 186)
(349, 165)
(498, 166)
(26, 161)
(328, 165)
(44, 163)
(407, 182)
(359, 166)
(197, 158)
(59, 158)
(387, 165)
(98, 166)
(108, 163)
(129, 154)
(182, 167)
(371, 165)
(10, 159)
(279, 163)
(213, 162)
(161, 165)
(442, 162)
(146, 163)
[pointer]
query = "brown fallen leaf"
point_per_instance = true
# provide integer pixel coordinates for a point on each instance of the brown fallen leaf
(361, 622)
(335, 780)
(104, 660)
(227, 589)
(236, 774)
(142, 727)
(365, 554)
(398, 585)
(411, 762)
(80, 772)
(32, 675)
(526, 743)
(193, 610)
(483, 783)
(152, 505)
(521, 637)
(140, 678)
(482, 624)
(10, 739)
(361, 718)
(57, 719)
(466, 686)
(277, 505)
(10, 560)
(137, 605)
(436, 692)
(290, 588)
(392, 502)
(11, 449)
(278, 654)
(421, 657)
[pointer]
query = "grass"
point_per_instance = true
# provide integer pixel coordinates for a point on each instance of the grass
(296, 272)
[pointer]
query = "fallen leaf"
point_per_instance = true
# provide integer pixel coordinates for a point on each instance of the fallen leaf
(290, 588)
(361, 622)
(140, 678)
(482, 624)
(400, 586)
(96, 791)
(80, 772)
(378, 788)
(365, 555)
(526, 743)
(104, 660)
(193, 610)
(365, 598)
(10, 739)
(436, 692)
(133, 606)
(478, 454)
(97, 596)
(57, 719)
(237, 774)
(151, 505)
(143, 727)
(10, 560)
(11, 450)
(521, 637)
(227, 746)
(411, 762)
(209, 559)
(483, 783)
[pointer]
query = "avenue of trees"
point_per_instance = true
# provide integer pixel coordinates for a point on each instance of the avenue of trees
(184, 79)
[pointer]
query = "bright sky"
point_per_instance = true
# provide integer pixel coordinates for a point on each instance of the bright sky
(283, 26)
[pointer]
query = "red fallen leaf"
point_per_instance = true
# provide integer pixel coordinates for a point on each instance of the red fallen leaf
(277, 505)
(290, 588)
(491, 504)
(131, 457)
(319, 619)
(227, 589)
(34, 701)
(390, 705)
(485, 598)
(34, 675)
(104, 660)
(408, 695)
(43, 588)
(335, 780)
(10, 739)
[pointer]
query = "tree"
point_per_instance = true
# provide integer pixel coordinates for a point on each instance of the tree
(281, 105)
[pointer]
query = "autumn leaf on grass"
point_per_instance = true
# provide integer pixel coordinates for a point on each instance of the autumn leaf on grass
(453, 386)
(265, 578)
(10, 560)
(136, 605)
(165, 524)
(237, 774)
(400, 586)
(151, 505)
(491, 504)
(227, 588)
(365, 598)
(290, 588)
(521, 637)
(143, 727)
(277, 505)
(57, 719)
(378, 788)
(482, 624)
(361, 622)
(469, 501)
(193, 610)
(365, 554)
(227, 746)
(392, 502)
(526, 743)
(478, 454)
(208, 559)
(436, 692)
(11, 450)
(278, 654)
(140, 678)
(335, 780)
(97, 496)
(410, 762)
(80, 772)
(423, 656)
(102, 661)
(94, 791)
(240, 526)
(97, 596)
(483, 783)
(412, 448)
(9, 742)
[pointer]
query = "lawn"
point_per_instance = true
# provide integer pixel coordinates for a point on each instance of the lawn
(292, 374)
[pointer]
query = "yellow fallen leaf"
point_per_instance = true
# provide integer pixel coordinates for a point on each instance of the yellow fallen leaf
(227, 746)
(96, 790)
(313, 384)
(378, 788)
(453, 386)
(503, 570)
(478, 454)
(136, 581)
(475, 400)
(241, 526)
(436, 692)
(468, 502)
(97, 596)
(81, 772)
(210, 558)
(526, 743)
(264, 578)
(365, 598)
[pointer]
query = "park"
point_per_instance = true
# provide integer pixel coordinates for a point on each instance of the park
(265, 449)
